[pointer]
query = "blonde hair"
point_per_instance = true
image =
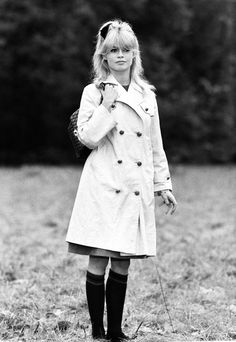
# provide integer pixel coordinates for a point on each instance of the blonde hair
(118, 33)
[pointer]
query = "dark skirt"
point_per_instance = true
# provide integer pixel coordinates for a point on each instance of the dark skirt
(86, 250)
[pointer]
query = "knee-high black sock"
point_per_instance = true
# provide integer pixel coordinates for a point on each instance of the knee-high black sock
(115, 298)
(95, 291)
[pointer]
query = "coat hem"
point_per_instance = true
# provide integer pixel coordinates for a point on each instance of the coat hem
(96, 251)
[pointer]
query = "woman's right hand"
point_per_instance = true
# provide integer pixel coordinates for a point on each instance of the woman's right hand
(110, 95)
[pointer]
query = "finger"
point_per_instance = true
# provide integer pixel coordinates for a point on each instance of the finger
(174, 209)
(172, 198)
(165, 198)
(108, 87)
(169, 209)
(174, 206)
(111, 85)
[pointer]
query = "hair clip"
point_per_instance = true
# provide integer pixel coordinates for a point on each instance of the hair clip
(104, 30)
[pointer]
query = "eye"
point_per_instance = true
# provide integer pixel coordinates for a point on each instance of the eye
(126, 50)
(114, 50)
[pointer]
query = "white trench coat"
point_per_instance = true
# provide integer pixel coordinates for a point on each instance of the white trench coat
(114, 205)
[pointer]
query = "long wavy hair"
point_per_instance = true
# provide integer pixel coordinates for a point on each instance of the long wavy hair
(120, 34)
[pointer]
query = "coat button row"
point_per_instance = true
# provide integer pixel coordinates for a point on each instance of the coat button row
(139, 134)
(139, 163)
(137, 193)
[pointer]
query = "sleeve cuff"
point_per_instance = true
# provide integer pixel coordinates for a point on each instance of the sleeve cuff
(163, 186)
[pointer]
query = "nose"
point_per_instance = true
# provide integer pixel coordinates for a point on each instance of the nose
(120, 53)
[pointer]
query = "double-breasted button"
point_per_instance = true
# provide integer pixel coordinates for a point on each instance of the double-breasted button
(139, 134)
(117, 191)
(121, 132)
(139, 163)
(136, 193)
(146, 109)
(119, 161)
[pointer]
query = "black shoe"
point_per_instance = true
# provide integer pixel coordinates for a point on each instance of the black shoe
(98, 334)
(120, 337)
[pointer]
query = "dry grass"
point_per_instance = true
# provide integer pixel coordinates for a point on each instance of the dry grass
(42, 295)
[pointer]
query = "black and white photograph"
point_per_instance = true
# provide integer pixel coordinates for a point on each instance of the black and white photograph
(117, 170)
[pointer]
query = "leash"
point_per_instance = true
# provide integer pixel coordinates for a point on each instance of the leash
(163, 296)
(134, 336)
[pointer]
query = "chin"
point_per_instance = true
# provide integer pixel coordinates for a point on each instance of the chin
(121, 68)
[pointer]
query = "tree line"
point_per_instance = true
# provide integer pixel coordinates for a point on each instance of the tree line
(188, 51)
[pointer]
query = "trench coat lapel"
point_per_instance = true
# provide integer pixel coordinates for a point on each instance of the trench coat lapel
(133, 97)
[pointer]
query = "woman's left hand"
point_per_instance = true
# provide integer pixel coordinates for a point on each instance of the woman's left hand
(169, 200)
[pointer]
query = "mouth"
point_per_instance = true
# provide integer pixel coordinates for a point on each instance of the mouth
(120, 62)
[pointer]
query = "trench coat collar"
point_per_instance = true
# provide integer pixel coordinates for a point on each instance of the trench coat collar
(133, 97)
(111, 79)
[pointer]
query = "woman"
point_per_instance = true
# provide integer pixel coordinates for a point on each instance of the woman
(113, 214)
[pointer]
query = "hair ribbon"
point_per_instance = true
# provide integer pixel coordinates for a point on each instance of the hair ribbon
(104, 30)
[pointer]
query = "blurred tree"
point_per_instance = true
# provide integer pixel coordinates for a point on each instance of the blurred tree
(205, 53)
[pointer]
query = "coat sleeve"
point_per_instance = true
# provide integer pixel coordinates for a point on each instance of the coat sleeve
(94, 120)
(162, 178)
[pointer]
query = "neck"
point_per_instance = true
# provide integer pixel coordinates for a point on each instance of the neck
(122, 77)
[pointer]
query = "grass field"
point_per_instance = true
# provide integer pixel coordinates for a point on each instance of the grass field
(42, 288)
